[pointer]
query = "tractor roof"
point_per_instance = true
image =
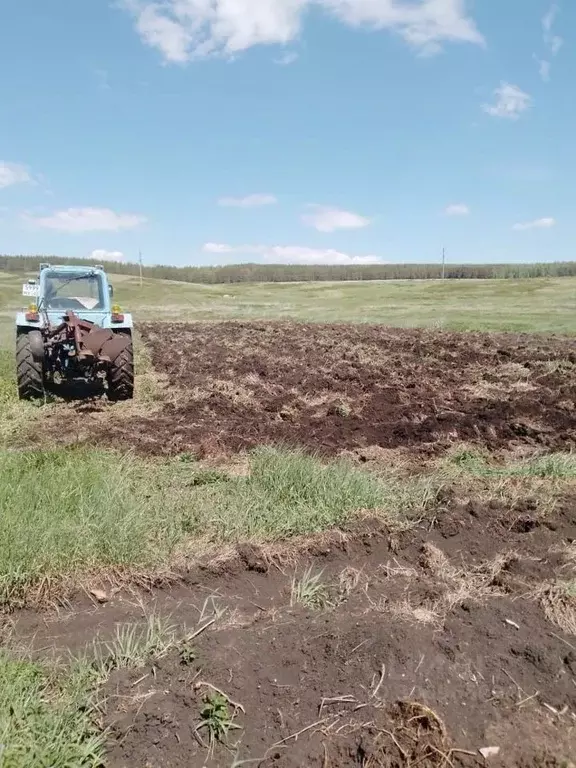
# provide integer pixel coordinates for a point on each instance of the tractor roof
(72, 268)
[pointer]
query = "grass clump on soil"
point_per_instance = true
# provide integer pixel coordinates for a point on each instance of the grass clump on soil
(68, 511)
(16, 417)
(216, 718)
(555, 465)
(560, 465)
(135, 644)
(7, 377)
(288, 493)
(48, 713)
(46, 716)
(63, 511)
(309, 590)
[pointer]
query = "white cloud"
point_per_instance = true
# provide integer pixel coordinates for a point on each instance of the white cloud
(553, 43)
(544, 68)
(185, 29)
(286, 59)
(219, 248)
(425, 24)
(326, 219)
(511, 101)
(556, 43)
(100, 254)
(12, 173)
(545, 223)
(250, 201)
(457, 209)
(292, 254)
(159, 30)
(88, 220)
(549, 18)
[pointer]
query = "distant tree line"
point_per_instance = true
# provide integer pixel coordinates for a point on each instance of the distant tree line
(280, 273)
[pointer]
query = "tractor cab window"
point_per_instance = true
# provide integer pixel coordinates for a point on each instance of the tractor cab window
(76, 292)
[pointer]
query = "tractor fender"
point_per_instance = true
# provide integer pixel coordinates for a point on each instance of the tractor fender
(126, 325)
(22, 324)
(35, 339)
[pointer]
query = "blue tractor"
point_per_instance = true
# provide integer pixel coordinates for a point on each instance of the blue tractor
(72, 338)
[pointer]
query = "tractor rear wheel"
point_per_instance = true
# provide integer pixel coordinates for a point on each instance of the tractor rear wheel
(121, 373)
(29, 369)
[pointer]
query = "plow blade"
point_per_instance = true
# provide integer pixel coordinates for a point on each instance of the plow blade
(103, 343)
(90, 340)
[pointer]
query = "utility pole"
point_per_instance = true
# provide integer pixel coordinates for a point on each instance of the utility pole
(443, 263)
(140, 263)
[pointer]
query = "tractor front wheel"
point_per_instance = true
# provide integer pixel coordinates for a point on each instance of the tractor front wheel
(121, 373)
(29, 366)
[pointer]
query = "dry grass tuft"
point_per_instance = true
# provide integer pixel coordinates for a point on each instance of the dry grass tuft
(416, 737)
(559, 604)
(460, 584)
(349, 580)
(415, 614)
(435, 561)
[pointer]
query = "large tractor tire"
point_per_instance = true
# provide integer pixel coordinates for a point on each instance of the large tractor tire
(121, 373)
(29, 366)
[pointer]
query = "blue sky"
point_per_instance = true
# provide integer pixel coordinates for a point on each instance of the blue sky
(305, 131)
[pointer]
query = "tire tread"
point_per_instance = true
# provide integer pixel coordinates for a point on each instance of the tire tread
(29, 374)
(121, 375)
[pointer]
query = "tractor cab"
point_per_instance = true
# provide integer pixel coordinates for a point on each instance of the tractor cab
(82, 290)
(71, 332)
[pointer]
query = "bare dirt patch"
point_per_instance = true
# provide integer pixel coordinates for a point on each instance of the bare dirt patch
(349, 684)
(231, 386)
(420, 649)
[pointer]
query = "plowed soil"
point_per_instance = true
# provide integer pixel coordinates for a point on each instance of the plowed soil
(235, 385)
(425, 648)
(420, 649)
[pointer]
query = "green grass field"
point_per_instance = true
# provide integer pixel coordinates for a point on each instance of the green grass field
(537, 305)
(540, 305)
(66, 512)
